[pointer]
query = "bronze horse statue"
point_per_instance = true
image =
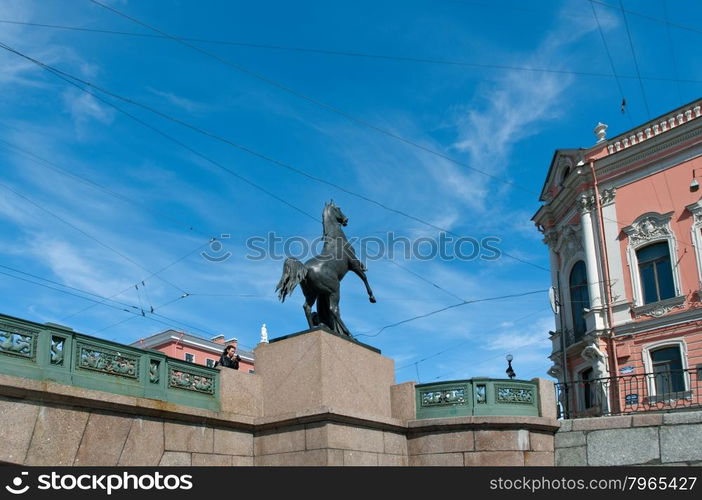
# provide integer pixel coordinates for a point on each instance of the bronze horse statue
(320, 276)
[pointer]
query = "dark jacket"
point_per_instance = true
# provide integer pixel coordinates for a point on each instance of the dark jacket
(229, 362)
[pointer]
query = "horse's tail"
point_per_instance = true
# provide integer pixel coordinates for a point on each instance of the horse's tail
(294, 272)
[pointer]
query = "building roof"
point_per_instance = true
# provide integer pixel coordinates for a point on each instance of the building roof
(185, 338)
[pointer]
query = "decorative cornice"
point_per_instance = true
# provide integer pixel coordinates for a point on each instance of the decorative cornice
(661, 308)
(648, 227)
(651, 130)
(609, 164)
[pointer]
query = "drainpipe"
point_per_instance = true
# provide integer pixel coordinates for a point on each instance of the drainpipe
(613, 364)
(566, 397)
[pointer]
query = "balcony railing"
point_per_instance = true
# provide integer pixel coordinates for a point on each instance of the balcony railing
(626, 394)
(49, 352)
(477, 397)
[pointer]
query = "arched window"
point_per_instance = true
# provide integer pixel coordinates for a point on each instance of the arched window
(656, 272)
(579, 297)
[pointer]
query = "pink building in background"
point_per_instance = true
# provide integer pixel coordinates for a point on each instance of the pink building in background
(623, 223)
(198, 350)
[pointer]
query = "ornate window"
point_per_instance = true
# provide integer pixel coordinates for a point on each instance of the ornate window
(655, 272)
(652, 264)
(579, 298)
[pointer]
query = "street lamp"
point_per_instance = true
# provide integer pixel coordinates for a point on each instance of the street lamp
(509, 370)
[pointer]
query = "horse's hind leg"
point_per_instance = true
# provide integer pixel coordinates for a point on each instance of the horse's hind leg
(309, 302)
(339, 325)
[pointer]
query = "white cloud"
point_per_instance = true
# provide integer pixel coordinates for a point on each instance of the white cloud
(521, 102)
(83, 107)
(188, 105)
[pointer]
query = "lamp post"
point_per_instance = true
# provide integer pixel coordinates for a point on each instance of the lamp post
(509, 370)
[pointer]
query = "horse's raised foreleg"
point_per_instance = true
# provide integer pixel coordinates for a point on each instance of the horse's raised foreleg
(359, 270)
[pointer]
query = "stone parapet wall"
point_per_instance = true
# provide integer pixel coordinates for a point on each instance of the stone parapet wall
(343, 408)
(58, 435)
(643, 439)
(482, 441)
(330, 443)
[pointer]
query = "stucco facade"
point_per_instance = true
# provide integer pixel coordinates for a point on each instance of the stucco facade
(623, 223)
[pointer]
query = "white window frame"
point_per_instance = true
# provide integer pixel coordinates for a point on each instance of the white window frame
(185, 356)
(570, 249)
(648, 362)
(696, 210)
(648, 229)
(580, 256)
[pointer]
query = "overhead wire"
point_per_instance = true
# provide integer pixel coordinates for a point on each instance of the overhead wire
(611, 63)
(86, 234)
(634, 58)
(155, 273)
(73, 79)
(43, 162)
(467, 341)
(352, 54)
(66, 79)
(306, 97)
(664, 5)
(452, 306)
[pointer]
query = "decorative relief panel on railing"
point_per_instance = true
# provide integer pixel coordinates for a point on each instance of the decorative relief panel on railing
(61, 355)
(508, 394)
(153, 371)
(481, 394)
(443, 397)
(189, 381)
(56, 350)
(103, 360)
(17, 342)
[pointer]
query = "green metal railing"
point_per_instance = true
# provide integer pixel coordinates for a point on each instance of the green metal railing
(52, 352)
(477, 397)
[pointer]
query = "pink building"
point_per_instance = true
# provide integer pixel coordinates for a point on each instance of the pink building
(623, 223)
(181, 345)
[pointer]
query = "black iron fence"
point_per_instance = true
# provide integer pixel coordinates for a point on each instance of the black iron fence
(626, 394)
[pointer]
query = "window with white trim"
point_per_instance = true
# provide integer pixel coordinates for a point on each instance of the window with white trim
(655, 272)
(696, 210)
(189, 357)
(666, 365)
(579, 298)
(669, 376)
(652, 259)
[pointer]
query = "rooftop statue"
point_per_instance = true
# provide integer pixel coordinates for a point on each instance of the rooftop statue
(320, 276)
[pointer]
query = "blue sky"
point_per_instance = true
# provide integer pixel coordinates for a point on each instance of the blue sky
(137, 202)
